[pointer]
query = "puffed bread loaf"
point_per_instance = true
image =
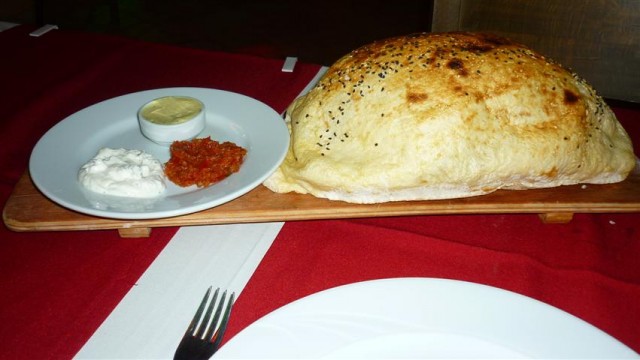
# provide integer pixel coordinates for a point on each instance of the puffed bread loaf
(436, 116)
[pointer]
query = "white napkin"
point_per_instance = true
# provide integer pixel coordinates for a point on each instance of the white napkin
(151, 319)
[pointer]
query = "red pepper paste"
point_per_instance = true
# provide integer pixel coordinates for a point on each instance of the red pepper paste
(202, 162)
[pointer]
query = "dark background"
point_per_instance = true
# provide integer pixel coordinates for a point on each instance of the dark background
(599, 40)
(314, 31)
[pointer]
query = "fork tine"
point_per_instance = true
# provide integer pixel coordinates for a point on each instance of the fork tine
(196, 317)
(216, 317)
(207, 316)
(223, 324)
(193, 345)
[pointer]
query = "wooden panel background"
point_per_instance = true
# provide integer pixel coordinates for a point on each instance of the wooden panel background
(598, 39)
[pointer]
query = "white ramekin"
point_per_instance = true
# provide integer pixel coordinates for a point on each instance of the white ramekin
(165, 134)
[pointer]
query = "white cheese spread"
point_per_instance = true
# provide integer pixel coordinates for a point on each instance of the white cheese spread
(122, 172)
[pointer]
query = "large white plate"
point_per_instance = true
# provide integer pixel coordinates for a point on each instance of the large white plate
(421, 318)
(60, 153)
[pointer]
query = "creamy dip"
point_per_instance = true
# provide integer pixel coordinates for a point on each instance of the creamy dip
(122, 172)
(171, 110)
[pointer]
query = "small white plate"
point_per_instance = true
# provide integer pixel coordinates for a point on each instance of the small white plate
(60, 153)
(421, 318)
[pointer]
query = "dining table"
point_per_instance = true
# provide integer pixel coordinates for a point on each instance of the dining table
(91, 289)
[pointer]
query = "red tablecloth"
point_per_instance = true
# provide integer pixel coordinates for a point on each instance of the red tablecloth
(588, 268)
(58, 287)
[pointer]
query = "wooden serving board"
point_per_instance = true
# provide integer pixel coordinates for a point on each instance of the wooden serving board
(28, 210)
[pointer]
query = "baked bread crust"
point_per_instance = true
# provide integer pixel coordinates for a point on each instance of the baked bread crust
(448, 115)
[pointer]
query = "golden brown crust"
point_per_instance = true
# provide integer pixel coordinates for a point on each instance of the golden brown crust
(430, 116)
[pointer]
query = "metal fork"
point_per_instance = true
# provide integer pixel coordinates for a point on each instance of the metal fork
(204, 334)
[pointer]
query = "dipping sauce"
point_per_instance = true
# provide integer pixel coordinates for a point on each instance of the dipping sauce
(172, 118)
(171, 110)
(122, 172)
(202, 162)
